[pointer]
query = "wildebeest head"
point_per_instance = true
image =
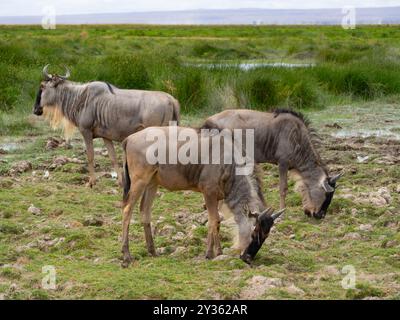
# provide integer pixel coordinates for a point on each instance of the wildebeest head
(263, 225)
(318, 197)
(46, 95)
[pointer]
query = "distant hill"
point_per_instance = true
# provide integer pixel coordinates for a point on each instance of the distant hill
(388, 15)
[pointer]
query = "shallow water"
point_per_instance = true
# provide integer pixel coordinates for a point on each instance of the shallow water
(252, 65)
(10, 146)
(373, 119)
(365, 133)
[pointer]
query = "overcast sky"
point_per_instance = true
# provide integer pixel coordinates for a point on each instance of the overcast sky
(36, 7)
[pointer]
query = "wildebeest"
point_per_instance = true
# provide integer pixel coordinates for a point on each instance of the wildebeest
(100, 110)
(217, 181)
(283, 137)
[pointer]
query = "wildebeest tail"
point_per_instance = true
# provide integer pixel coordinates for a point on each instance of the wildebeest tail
(127, 179)
(176, 112)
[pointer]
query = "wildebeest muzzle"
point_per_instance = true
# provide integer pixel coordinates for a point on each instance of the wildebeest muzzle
(264, 223)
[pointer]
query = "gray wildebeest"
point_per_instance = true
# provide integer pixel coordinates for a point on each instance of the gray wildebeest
(283, 137)
(100, 110)
(216, 180)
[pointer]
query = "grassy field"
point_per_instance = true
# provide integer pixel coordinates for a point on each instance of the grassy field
(49, 217)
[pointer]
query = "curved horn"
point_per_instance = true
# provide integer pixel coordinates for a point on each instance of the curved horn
(67, 73)
(267, 211)
(335, 178)
(45, 73)
(277, 214)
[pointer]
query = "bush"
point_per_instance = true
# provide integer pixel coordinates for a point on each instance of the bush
(124, 71)
(258, 90)
(191, 89)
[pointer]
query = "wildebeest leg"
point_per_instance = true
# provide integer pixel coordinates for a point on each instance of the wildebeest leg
(145, 210)
(88, 137)
(283, 183)
(213, 241)
(114, 161)
(136, 190)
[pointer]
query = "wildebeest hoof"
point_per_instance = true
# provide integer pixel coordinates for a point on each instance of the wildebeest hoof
(210, 255)
(126, 262)
(246, 258)
(318, 215)
(91, 183)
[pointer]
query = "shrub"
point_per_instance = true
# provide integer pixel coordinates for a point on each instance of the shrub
(124, 71)
(191, 89)
(257, 90)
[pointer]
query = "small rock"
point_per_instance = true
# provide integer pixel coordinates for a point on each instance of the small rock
(222, 257)
(292, 289)
(20, 167)
(46, 174)
(334, 126)
(161, 251)
(13, 287)
(178, 251)
(32, 209)
(352, 236)
(361, 159)
(54, 143)
(390, 244)
(365, 227)
(258, 286)
(166, 230)
(292, 236)
(385, 193)
(398, 189)
(101, 151)
(178, 236)
(354, 211)
(331, 270)
(377, 200)
(93, 221)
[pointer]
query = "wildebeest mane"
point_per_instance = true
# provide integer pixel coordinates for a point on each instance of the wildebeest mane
(297, 114)
(315, 139)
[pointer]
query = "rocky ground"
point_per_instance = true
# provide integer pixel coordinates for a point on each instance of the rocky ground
(49, 218)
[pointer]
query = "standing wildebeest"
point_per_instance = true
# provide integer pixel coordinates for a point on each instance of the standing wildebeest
(241, 193)
(100, 110)
(283, 137)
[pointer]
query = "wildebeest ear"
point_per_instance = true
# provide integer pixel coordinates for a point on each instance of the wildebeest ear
(327, 187)
(335, 178)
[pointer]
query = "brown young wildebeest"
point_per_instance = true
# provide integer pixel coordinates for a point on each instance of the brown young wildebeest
(283, 137)
(100, 110)
(217, 181)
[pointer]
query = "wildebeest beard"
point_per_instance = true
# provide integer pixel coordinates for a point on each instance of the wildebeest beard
(260, 233)
(37, 109)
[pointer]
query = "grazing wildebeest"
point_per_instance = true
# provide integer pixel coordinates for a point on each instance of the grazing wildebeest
(283, 137)
(217, 181)
(100, 110)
